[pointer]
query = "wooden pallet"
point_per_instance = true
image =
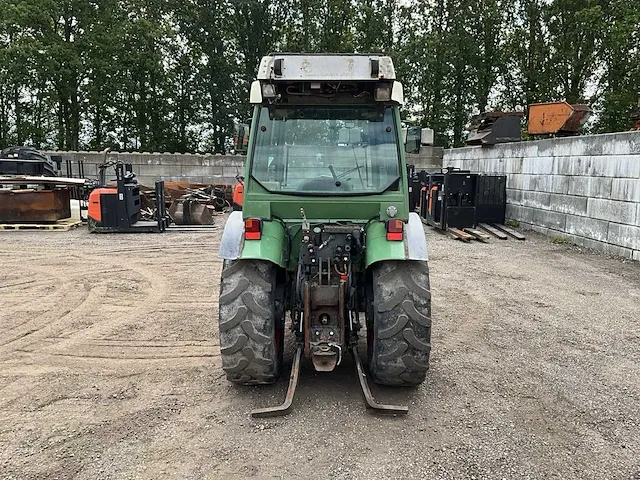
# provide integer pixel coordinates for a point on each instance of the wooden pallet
(61, 225)
(494, 231)
(480, 236)
(459, 234)
(509, 231)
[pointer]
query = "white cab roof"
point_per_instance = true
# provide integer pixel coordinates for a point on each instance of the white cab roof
(302, 67)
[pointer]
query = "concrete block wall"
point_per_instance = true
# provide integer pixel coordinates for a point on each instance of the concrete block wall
(149, 167)
(429, 158)
(197, 168)
(585, 189)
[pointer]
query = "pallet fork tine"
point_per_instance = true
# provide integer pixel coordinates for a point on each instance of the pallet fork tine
(285, 407)
(368, 396)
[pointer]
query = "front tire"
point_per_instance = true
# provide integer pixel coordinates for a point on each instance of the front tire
(251, 337)
(399, 322)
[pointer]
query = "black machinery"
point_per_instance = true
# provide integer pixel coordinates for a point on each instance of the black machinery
(489, 128)
(450, 199)
(28, 161)
(454, 198)
(117, 210)
(491, 199)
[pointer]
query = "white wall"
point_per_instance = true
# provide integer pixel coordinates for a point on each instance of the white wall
(585, 189)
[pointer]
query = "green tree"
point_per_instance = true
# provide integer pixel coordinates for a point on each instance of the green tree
(206, 26)
(620, 82)
(487, 25)
(374, 25)
(576, 29)
(337, 32)
(525, 71)
(256, 34)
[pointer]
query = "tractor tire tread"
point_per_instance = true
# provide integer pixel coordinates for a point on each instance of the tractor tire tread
(235, 320)
(240, 342)
(230, 296)
(402, 323)
(247, 322)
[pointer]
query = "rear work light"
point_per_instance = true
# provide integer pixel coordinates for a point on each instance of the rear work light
(382, 94)
(395, 230)
(252, 229)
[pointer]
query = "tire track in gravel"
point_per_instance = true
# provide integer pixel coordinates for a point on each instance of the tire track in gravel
(140, 350)
(21, 293)
(462, 328)
(93, 342)
(37, 330)
(62, 292)
(70, 325)
(85, 304)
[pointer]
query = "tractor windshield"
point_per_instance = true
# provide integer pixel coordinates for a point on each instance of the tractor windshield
(326, 150)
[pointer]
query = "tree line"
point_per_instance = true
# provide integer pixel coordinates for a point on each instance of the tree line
(174, 75)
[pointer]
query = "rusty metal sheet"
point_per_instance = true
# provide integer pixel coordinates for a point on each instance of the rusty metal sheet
(30, 206)
(191, 212)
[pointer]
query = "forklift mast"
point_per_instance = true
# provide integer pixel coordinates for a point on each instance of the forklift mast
(128, 201)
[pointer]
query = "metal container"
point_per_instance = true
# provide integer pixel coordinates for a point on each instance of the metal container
(34, 206)
(557, 118)
(489, 128)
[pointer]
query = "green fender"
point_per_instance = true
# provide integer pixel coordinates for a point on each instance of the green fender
(379, 248)
(413, 247)
(272, 246)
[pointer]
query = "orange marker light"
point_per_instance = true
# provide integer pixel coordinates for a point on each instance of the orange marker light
(252, 229)
(395, 230)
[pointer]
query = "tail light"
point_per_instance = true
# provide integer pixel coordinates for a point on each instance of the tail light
(395, 230)
(252, 229)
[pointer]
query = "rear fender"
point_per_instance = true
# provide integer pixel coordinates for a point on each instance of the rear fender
(270, 247)
(413, 247)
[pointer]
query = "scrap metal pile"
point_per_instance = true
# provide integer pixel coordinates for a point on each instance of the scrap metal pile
(188, 204)
(198, 206)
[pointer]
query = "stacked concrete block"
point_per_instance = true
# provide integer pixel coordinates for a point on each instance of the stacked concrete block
(429, 158)
(149, 167)
(197, 168)
(585, 189)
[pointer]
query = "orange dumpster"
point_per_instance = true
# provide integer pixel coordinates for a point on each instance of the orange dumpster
(557, 117)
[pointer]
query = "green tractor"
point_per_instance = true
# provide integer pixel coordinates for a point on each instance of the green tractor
(325, 244)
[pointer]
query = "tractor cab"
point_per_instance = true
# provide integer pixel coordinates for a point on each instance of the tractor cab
(325, 238)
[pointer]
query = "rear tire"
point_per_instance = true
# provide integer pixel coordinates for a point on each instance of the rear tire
(251, 337)
(399, 322)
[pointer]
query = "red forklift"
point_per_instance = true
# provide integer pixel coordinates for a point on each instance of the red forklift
(117, 210)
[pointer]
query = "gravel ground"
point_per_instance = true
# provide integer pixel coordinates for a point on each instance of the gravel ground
(110, 369)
